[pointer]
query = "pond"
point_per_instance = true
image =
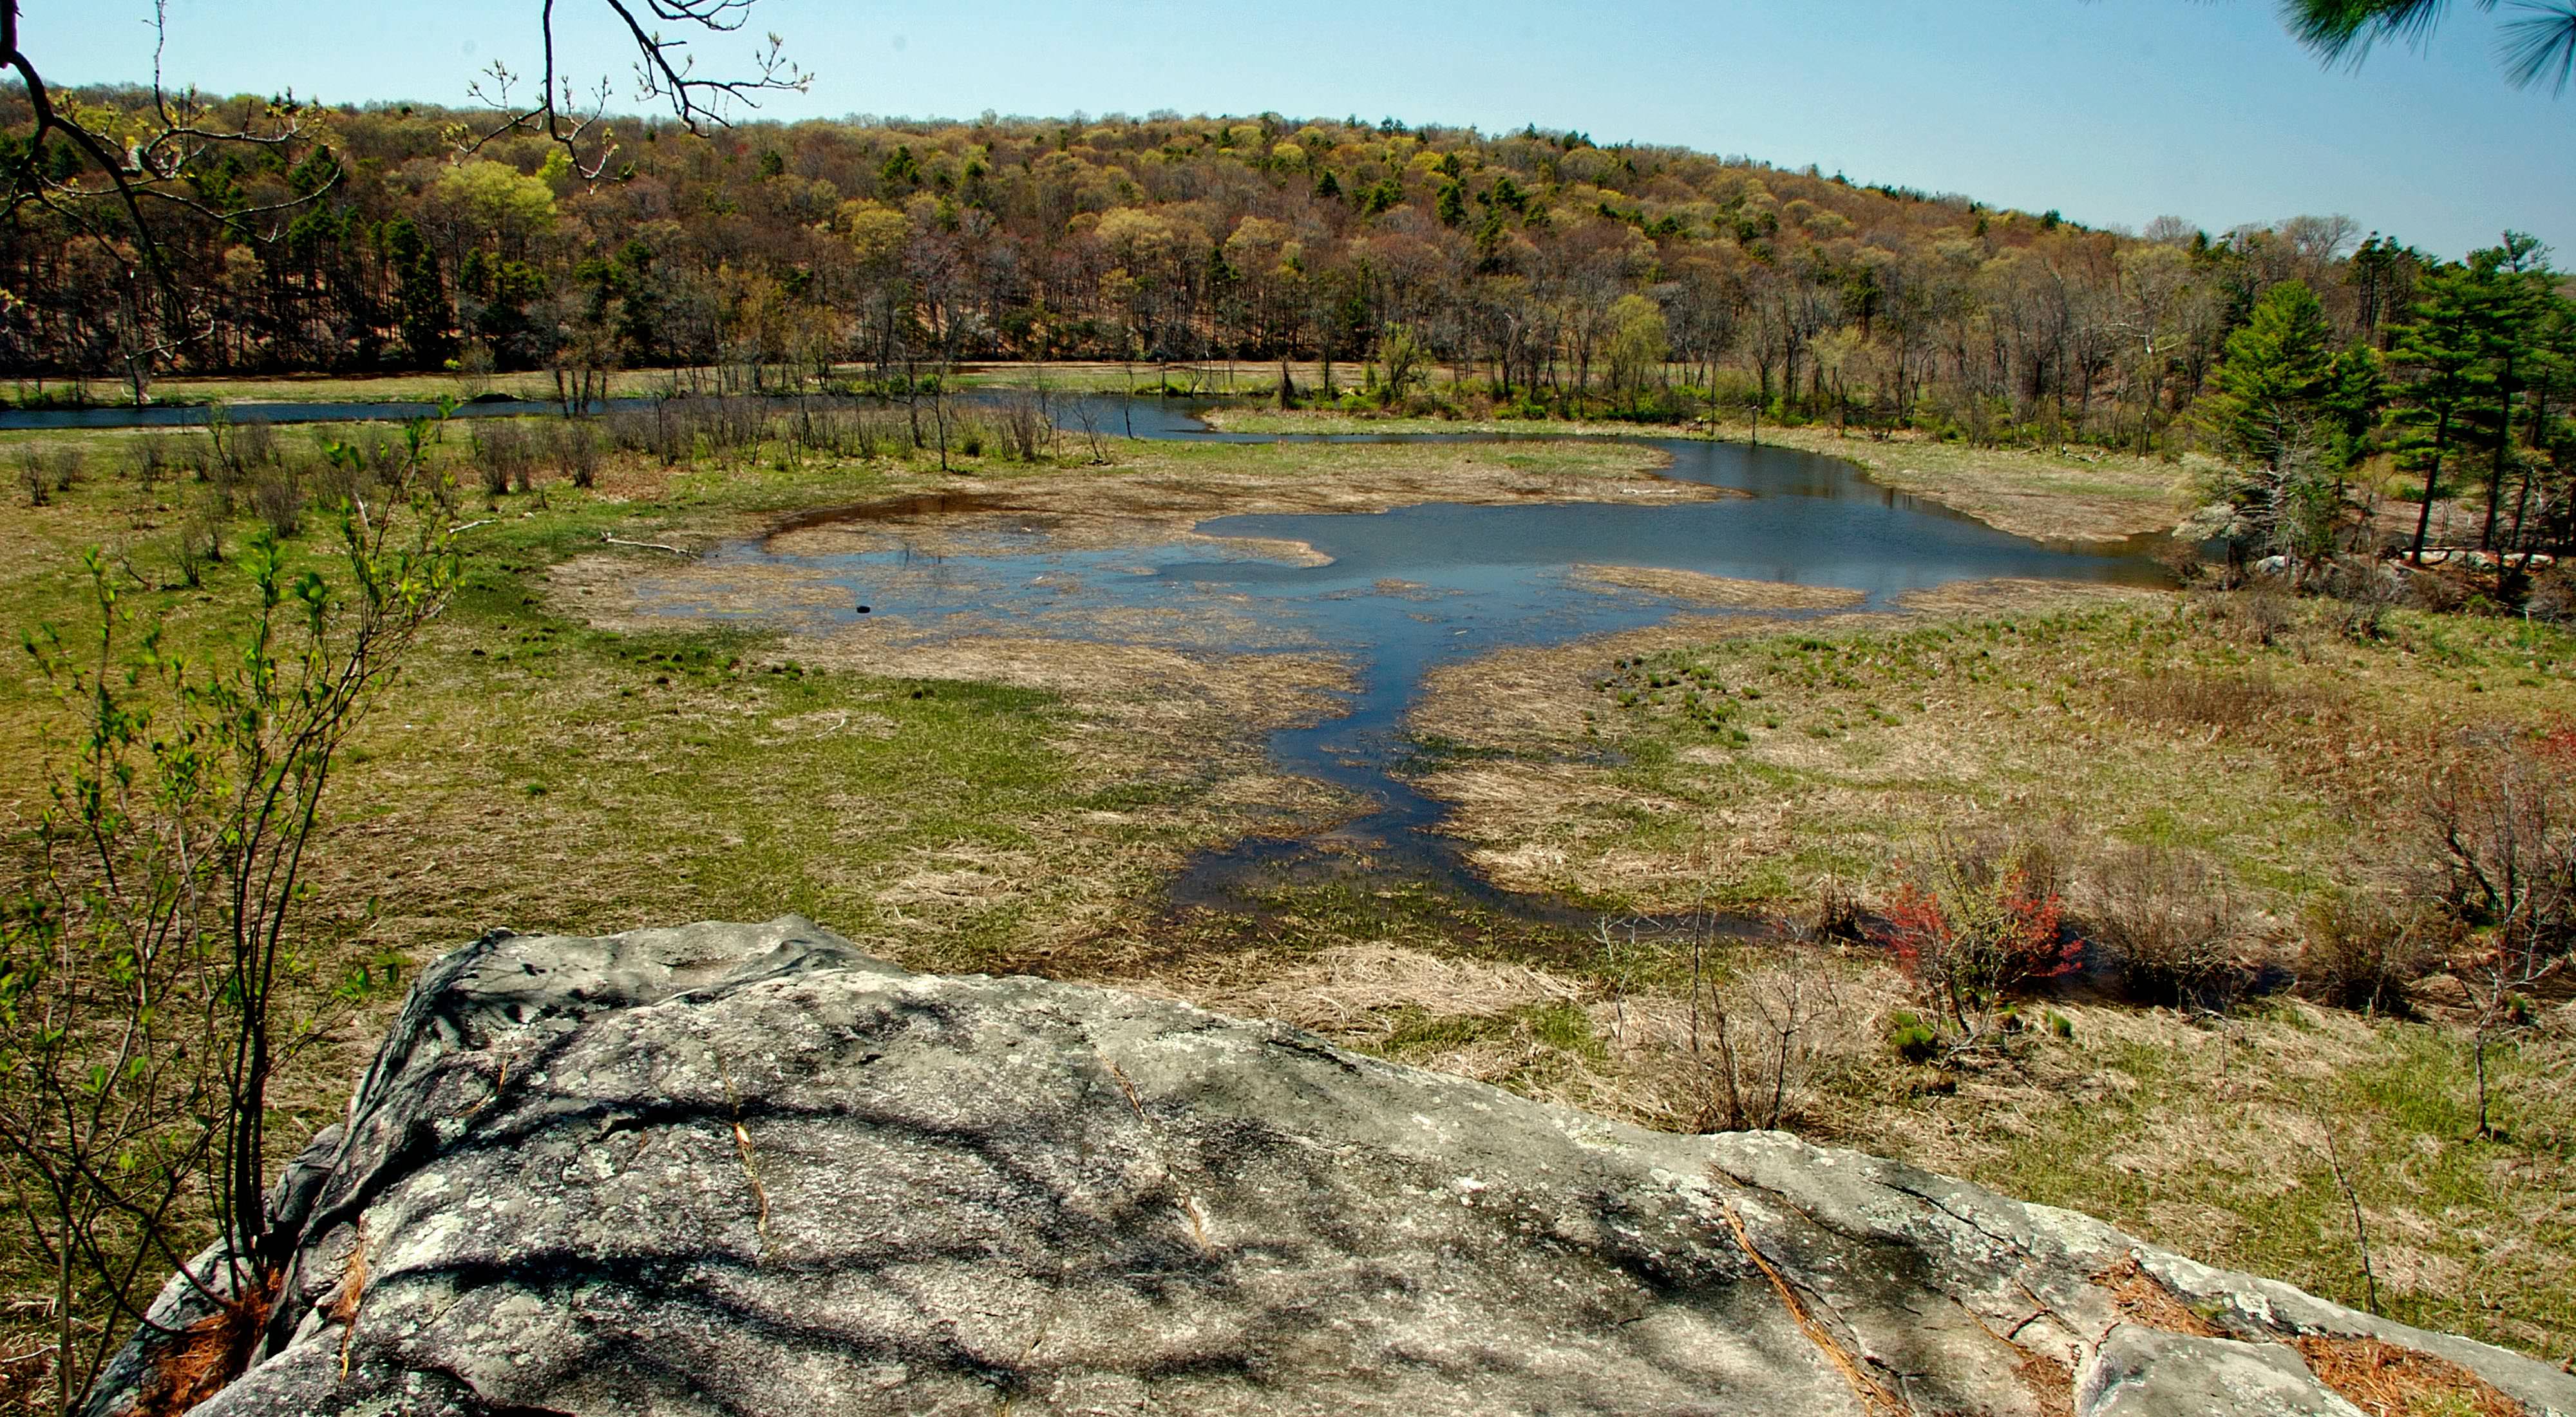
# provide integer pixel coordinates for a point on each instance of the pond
(1400, 593)
(1395, 594)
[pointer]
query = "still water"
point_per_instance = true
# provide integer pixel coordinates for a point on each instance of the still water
(1407, 591)
(1400, 594)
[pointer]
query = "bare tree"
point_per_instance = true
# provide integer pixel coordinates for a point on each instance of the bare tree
(117, 179)
(126, 188)
(2504, 832)
(665, 72)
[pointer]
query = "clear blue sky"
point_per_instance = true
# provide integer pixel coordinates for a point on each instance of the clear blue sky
(2113, 111)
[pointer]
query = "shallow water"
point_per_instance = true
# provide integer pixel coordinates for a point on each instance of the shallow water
(1402, 593)
(1409, 590)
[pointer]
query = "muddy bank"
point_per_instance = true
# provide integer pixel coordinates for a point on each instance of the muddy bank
(1158, 493)
(1721, 592)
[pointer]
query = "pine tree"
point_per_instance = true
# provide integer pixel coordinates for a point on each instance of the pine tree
(419, 291)
(2272, 384)
(2517, 276)
(2278, 411)
(2442, 355)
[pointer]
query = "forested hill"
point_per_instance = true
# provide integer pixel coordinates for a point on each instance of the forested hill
(900, 245)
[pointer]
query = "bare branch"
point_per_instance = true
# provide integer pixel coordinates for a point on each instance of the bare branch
(663, 72)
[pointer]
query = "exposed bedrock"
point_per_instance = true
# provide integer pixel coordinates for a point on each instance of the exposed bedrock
(748, 1169)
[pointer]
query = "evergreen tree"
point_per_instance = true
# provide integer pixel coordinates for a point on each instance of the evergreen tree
(2547, 493)
(2272, 383)
(420, 293)
(2442, 356)
(2356, 390)
(2283, 410)
(1451, 206)
(2517, 277)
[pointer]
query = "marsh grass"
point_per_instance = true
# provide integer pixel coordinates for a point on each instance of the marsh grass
(2137, 716)
(556, 764)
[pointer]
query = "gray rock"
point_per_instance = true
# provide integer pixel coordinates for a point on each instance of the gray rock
(2144, 1372)
(747, 1169)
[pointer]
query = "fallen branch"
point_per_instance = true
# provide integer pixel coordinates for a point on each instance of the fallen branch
(469, 526)
(647, 546)
(750, 1159)
(1873, 1394)
(2352, 1198)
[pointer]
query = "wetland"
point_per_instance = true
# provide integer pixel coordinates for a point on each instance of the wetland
(1548, 761)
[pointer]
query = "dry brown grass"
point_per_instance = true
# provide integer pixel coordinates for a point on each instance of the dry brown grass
(2379, 1377)
(2139, 713)
(2021, 595)
(2203, 699)
(206, 1356)
(1727, 592)
(2142, 1299)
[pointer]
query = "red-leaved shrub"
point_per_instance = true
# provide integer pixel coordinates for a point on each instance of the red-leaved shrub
(1973, 923)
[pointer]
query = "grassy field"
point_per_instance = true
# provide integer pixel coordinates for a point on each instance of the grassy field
(2144, 716)
(1764, 768)
(545, 736)
(561, 756)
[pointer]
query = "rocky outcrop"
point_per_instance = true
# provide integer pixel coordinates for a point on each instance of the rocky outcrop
(747, 1169)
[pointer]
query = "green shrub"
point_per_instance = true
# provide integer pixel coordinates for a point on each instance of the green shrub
(1911, 1038)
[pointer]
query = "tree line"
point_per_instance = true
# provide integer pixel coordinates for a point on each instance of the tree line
(2468, 396)
(1547, 272)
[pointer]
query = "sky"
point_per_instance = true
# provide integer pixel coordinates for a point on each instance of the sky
(2113, 112)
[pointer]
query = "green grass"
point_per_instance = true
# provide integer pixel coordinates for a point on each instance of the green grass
(537, 771)
(1869, 741)
(2467, 1234)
